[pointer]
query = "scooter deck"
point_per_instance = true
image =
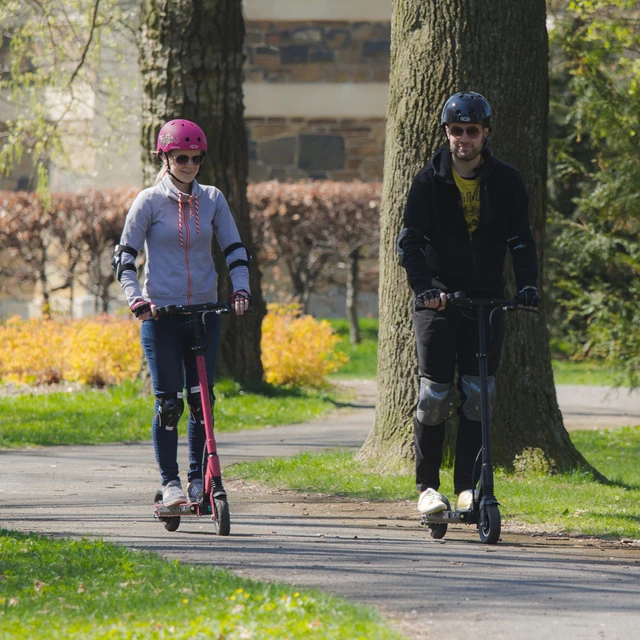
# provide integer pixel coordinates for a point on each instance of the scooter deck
(448, 517)
(188, 509)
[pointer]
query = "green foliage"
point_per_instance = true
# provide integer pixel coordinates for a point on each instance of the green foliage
(363, 357)
(54, 54)
(595, 182)
(120, 413)
(56, 588)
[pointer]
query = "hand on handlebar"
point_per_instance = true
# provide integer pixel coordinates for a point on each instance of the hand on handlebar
(528, 298)
(433, 299)
(142, 309)
(240, 301)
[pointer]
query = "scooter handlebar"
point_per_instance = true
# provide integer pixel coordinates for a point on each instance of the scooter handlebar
(459, 299)
(215, 307)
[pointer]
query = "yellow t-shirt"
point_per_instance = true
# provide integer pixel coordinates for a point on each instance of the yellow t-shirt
(470, 193)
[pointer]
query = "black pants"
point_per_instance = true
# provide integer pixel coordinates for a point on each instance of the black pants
(445, 339)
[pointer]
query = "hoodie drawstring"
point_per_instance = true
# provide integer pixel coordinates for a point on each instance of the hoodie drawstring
(192, 201)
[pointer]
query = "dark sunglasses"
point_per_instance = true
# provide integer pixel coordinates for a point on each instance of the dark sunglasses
(184, 159)
(458, 132)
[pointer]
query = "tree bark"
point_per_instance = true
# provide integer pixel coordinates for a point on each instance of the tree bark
(191, 57)
(500, 50)
(352, 295)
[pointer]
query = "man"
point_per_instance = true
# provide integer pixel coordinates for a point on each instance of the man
(464, 209)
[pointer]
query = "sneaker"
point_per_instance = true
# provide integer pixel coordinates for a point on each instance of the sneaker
(172, 494)
(194, 490)
(465, 501)
(431, 501)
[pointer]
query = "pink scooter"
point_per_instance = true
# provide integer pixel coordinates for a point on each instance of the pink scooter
(214, 498)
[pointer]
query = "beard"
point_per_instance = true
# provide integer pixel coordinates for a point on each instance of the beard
(468, 156)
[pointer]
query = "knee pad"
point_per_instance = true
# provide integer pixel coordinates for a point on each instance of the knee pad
(169, 409)
(470, 387)
(195, 404)
(433, 401)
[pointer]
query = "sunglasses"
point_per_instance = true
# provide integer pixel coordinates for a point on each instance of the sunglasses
(184, 159)
(458, 132)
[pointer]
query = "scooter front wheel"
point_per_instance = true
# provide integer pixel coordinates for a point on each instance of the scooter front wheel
(490, 524)
(437, 530)
(222, 523)
(170, 524)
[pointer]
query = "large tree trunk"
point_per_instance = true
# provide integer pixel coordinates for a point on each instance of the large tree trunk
(500, 50)
(191, 63)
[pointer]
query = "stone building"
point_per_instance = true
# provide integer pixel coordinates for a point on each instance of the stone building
(316, 85)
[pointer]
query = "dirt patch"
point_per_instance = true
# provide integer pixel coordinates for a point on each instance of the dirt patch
(403, 515)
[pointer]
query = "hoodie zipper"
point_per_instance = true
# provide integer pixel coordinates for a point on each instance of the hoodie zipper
(186, 250)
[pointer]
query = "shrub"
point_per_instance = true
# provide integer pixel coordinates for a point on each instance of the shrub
(298, 350)
(97, 351)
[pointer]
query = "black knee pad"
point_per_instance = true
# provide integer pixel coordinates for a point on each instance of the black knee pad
(195, 405)
(170, 408)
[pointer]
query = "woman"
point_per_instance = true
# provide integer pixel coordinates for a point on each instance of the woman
(175, 221)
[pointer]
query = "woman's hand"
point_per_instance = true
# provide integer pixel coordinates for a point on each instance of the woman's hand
(240, 301)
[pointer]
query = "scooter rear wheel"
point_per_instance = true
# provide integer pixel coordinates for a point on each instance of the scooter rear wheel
(490, 524)
(222, 523)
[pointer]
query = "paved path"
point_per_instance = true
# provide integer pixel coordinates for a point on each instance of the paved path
(526, 587)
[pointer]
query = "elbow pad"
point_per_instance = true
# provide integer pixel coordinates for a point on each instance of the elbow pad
(117, 263)
(411, 235)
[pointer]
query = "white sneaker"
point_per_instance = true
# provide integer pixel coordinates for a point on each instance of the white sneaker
(465, 501)
(172, 494)
(431, 501)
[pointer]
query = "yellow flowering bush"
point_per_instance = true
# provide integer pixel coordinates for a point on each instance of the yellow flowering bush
(97, 351)
(297, 349)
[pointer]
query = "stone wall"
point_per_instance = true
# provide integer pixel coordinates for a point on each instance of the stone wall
(317, 51)
(321, 149)
(316, 57)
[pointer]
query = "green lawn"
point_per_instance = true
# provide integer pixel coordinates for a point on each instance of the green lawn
(57, 588)
(572, 503)
(120, 414)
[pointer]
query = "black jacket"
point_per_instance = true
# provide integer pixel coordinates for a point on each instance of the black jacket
(438, 250)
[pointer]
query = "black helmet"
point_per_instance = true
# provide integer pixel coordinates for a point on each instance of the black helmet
(466, 107)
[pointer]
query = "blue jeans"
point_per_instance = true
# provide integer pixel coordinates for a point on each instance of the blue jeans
(167, 348)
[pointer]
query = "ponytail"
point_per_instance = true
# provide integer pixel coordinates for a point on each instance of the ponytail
(161, 174)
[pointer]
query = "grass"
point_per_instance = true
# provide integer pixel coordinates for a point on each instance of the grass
(57, 588)
(120, 414)
(572, 503)
(586, 373)
(363, 359)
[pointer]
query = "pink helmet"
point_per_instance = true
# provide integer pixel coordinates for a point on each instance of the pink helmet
(181, 134)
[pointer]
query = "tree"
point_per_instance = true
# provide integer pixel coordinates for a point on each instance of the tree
(191, 57)
(500, 50)
(595, 182)
(52, 74)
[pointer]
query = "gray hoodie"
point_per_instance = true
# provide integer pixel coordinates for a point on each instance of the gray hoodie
(176, 231)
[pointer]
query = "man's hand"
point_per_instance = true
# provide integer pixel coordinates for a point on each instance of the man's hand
(240, 301)
(433, 299)
(528, 298)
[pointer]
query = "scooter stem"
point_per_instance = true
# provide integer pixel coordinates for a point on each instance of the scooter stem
(483, 356)
(213, 462)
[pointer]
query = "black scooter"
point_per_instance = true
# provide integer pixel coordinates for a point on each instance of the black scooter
(484, 508)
